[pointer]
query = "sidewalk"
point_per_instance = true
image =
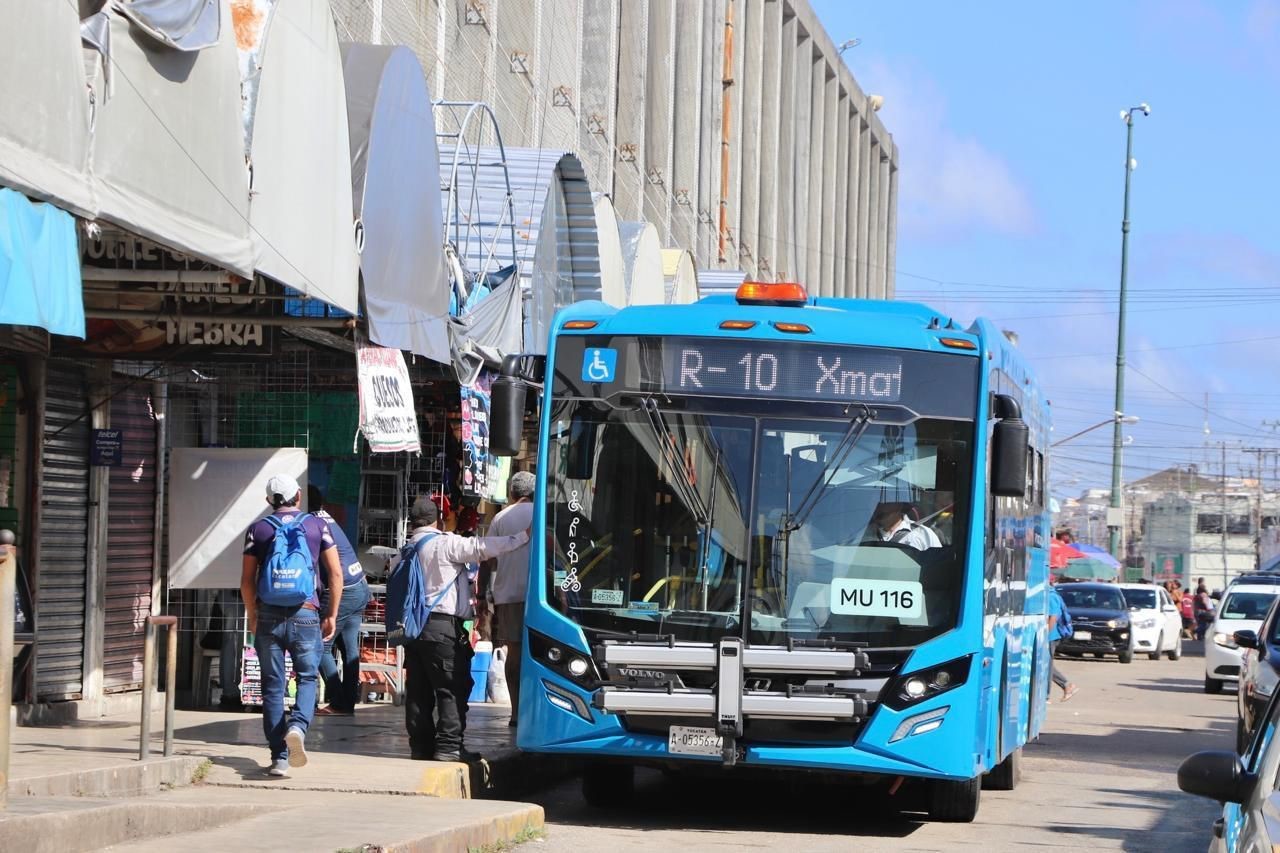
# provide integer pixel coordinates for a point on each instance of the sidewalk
(56, 774)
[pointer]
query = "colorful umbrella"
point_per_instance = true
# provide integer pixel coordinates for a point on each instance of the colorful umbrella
(1099, 554)
(1089, 569)
(1060, 553)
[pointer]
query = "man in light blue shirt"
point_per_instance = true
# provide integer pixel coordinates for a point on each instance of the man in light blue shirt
(1059, 629)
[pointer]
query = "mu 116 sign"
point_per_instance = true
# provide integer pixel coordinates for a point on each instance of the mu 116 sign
(789, 371)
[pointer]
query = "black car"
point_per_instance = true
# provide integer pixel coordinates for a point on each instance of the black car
(1099, 621)
(1259, 673)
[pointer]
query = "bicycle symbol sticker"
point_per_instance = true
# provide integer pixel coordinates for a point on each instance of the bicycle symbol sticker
(599, 364)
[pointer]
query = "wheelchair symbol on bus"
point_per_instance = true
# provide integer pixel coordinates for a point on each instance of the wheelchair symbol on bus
(598, 365)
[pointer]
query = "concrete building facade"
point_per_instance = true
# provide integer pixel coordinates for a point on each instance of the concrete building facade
(731, 125)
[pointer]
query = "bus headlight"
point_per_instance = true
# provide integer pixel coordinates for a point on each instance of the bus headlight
(563, 659)
(910, 688)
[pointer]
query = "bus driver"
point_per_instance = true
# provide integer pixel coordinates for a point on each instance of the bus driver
(891, 522)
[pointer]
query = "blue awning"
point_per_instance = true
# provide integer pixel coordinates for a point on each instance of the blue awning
(39, 267)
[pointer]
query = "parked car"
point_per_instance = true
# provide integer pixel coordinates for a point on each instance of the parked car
(1259, 673)
(1244, 785)
(1100, 621)
(1242, 608)
(1154, 620)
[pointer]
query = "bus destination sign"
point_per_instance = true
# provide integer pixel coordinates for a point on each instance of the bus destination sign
(783, 370)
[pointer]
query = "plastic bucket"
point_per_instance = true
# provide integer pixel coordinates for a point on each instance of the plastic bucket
(480, 672)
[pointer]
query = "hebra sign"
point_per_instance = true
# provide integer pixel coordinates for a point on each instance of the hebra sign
(387, 416)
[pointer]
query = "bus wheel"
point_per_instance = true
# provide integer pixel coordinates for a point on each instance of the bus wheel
(608, 786)
(1005, 775)
(955, 802)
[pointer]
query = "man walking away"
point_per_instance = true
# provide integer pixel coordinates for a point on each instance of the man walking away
(438, 662)
(1059, 629)
(279, 581)
(508, 577)
(343, 693)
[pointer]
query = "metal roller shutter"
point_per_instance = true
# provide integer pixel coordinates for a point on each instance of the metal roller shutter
(131, 516)
(64, 525)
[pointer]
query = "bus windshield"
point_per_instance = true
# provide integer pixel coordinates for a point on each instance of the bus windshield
(704, 524)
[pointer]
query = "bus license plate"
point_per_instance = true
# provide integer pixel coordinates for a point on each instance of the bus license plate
(693, 740)
(1081, 635)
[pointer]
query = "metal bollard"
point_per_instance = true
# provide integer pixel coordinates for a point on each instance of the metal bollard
(8, 582)
(149, 683)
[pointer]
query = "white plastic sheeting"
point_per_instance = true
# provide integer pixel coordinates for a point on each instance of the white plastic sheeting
(300, 208)
(180, 24)
(395, 173)
(680, 276)
(44, 106)
(642, 263)
(168, 146)
(221, 491)
(613, 278)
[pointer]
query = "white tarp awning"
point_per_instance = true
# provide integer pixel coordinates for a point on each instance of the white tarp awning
(44, 104)
(168, 145)
(395, 174)
(642, 263)
(300, 208)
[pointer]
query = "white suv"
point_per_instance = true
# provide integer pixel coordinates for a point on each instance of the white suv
(1156, 622)
(1242, 608)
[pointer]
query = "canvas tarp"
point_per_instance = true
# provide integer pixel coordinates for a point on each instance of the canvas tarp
(168, 145)
(488, 331)
(216, 493)
(39, 266)
(396, 196)
(44, 105)
(303, 226)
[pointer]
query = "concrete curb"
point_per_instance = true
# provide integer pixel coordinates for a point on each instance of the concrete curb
(122, 780)
(80, 825)
(528, 819)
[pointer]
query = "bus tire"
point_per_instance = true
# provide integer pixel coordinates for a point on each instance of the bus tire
(955, 802)
(1005, 775)
(608, 786)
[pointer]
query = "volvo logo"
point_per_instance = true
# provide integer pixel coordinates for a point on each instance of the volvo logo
(632, 672)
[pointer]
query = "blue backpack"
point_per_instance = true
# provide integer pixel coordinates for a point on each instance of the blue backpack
(287, 578)
(407, 606)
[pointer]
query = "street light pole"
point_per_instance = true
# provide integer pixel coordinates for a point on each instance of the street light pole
(1117, 442)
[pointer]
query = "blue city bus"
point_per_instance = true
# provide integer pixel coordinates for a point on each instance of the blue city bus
(784, 533)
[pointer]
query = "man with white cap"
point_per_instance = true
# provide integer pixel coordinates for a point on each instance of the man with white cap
(438, 662)
(279, 581)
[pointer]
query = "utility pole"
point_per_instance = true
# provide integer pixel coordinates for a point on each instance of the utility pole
(1260, 453)
(1116, 519)
(1224, 515)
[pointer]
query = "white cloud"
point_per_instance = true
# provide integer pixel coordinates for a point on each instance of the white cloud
(952, 184)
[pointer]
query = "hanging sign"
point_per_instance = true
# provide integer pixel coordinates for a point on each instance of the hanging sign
(107, 447)
(475, 435)
(387, 416)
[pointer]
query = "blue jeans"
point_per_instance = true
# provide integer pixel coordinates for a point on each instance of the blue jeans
(345, 692)
(297, 631)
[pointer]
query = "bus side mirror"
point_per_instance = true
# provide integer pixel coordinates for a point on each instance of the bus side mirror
(1009, 442)
(506, 415)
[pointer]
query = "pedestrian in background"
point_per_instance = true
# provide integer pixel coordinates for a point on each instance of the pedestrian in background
(1059, 629)
(438, 662)
(507, 577)
(342, 692)
(279, 582)
(1202, 607)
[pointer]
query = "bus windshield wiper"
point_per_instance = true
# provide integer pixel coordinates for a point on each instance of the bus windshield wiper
(794, 520)
(667, 447)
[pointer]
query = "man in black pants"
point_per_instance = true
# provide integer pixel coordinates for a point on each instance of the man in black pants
(438, 663)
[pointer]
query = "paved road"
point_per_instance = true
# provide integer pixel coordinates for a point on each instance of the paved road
(1102, 776)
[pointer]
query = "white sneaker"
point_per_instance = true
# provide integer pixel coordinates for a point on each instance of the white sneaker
(279, 768)
(295, 740)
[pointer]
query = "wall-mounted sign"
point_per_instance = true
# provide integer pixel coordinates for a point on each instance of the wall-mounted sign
(387, 416)
(107, 447)
(184, 306)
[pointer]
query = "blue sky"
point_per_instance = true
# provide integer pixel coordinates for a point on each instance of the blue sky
(1007, 117)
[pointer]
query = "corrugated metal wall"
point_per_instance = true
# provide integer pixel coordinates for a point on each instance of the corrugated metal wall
(64, 535)
(131, 517)
(803, 186)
